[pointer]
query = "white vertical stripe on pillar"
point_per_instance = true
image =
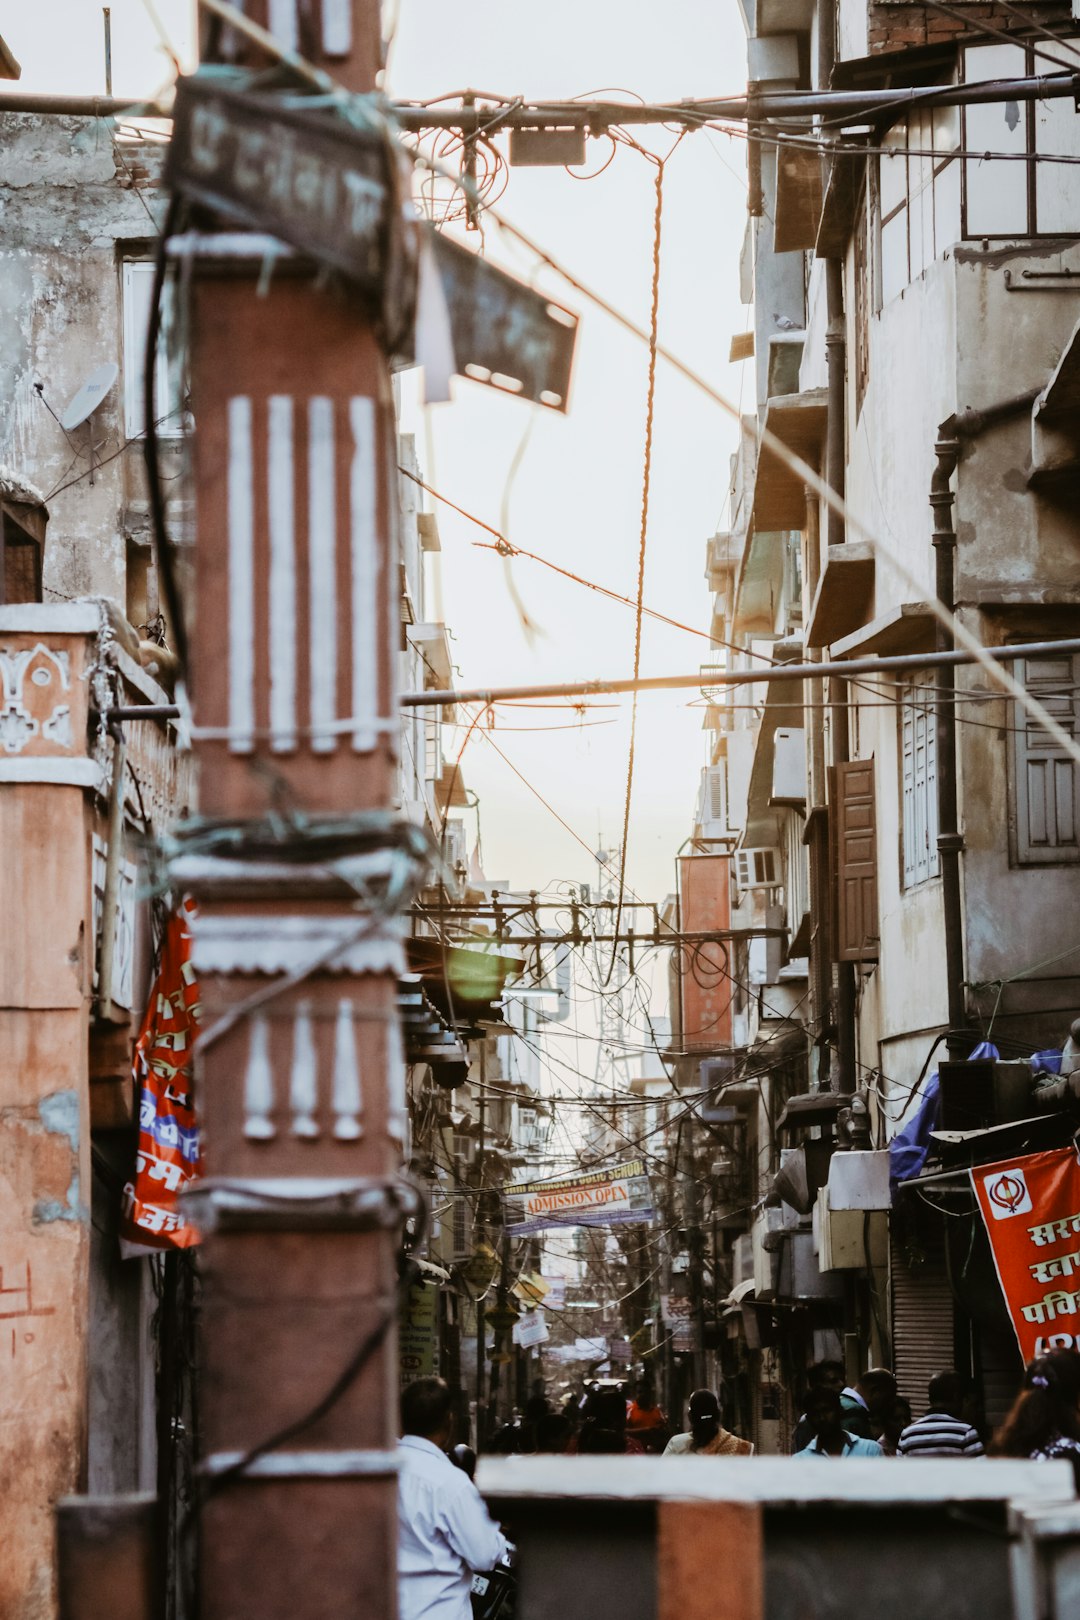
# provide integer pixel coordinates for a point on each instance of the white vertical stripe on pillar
(322, 546)
(396, 1105)
(241, 578)
(364, 557)
(337, 27)
(304, 1078)
(283, 23)
(346, 1098)
(282, 574)
(259, 1083)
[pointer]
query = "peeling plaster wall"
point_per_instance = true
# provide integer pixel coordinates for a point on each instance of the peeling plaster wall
(67, 211)
(958, 339)
(76, 1368)
(44, 1177)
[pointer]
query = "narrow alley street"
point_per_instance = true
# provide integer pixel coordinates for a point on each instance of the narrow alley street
(539, 777)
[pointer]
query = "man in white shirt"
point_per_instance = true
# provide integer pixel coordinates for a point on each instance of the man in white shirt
(445, 1532)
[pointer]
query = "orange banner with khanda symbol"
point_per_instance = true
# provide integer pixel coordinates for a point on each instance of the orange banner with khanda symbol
(1031, 1210)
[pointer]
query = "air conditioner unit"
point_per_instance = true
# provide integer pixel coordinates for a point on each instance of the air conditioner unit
(461, 1242)
(757, 868)
(711, 807)
(977, 1095)
(454, 847)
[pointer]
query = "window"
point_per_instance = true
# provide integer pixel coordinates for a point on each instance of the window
(863, 299)
(1043, 787)
(854, 823)
(1008, 197)
(918, 776)
(919, 195)
(138, 285)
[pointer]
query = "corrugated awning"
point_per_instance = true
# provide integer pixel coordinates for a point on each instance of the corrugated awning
(741, 1291)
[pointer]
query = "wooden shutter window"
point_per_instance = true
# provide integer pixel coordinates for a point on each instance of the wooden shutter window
(856, 862)
(1045, 786)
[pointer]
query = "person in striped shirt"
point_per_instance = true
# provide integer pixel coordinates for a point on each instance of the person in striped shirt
(944, 1431)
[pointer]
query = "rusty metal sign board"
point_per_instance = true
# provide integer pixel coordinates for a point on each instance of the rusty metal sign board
(311, 179)
(321, 184)
(504, 332)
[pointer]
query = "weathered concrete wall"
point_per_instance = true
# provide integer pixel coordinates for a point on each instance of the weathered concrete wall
(976, 344)
(67, 210)
(911, 387)
(1013, 543)
(44, 1178)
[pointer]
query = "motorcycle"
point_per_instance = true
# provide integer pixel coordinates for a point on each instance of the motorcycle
(494, 1593)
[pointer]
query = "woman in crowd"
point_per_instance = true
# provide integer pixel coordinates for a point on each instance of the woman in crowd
(707, 1437)
(1045, 1419)
(603, 1431)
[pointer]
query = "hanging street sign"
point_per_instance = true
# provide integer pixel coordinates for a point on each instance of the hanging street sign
(334, 192)
(617, 1197)
(316, 182)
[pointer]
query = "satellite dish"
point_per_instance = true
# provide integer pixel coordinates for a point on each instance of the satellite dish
(90, 395)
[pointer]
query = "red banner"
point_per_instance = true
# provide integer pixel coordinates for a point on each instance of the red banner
(1031, 1209)
(168, 1152)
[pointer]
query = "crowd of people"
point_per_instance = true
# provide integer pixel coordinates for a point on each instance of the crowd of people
(446, 1533)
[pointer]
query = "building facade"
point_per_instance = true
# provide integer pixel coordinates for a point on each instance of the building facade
(912, 835)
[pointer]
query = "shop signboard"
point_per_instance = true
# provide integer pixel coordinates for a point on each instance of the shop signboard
(418, 1328)
(617, 1197)
(1031, 1209)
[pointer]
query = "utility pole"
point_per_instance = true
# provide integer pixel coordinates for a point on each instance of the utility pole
(298, 939)
(481, 1314)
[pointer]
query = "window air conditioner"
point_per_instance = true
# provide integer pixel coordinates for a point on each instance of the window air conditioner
(757, 868)
(977, 1095)
(462, 1229)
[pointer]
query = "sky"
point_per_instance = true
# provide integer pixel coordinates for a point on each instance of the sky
(576, 495)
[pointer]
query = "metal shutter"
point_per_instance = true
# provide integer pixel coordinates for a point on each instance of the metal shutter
(923, 1316)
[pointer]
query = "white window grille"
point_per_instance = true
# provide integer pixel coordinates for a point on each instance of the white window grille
(138, 284)
(1007, 197)
(918, 757)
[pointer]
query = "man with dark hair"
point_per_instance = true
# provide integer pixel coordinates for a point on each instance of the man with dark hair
(866, 1404)
(822, 1375)
(445, 1533)
(831, 1439)
(944, 1431)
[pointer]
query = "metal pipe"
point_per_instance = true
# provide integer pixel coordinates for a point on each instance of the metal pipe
(816, 836)
(601, 115)
(950, 840)
(83, 106)
(106, 17)
(143, 711)
(846, 669)
(835, 476)
(113, 858)
(836, 363)
(770, 104)
(826, 42)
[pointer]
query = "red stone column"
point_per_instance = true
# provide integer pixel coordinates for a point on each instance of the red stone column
(293, 631)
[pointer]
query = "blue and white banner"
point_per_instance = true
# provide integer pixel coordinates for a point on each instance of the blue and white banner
(615, 1197)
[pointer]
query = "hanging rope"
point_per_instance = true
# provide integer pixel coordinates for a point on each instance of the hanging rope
(639, 600)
